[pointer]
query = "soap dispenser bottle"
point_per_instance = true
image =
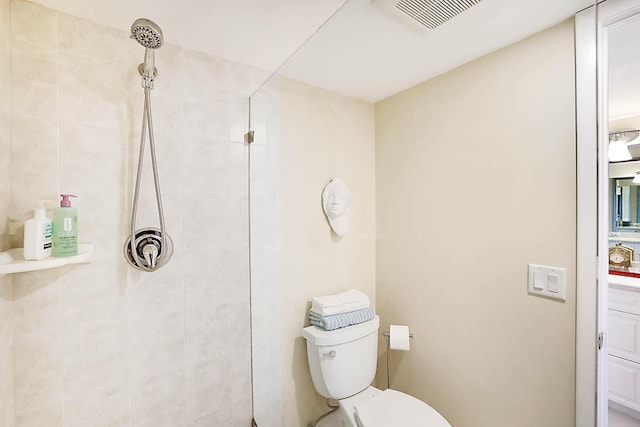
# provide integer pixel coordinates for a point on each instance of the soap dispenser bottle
(65, 228)
(37, 234)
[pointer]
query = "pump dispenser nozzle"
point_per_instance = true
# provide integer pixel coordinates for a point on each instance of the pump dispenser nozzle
(65, 202)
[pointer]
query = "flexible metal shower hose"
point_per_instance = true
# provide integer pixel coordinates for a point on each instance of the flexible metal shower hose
(147, 124)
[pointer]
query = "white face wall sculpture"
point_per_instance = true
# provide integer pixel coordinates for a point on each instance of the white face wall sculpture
(336, 199)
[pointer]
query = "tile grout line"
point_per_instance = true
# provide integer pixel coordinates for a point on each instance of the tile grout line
(126, 275)
(59, 173)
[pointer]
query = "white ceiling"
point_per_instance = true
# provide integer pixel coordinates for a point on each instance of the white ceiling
(361, 52)
(365, 53)
(623, 53)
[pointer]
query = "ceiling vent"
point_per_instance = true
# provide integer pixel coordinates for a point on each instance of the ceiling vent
(433, 13)
(425, 14)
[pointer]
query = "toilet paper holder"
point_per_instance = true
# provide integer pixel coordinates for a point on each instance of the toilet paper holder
(387, 336)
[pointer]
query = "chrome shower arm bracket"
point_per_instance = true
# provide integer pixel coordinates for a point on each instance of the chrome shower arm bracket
(249, 137)
(147, 77)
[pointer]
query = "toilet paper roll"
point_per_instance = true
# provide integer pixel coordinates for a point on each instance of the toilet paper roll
(399, 337)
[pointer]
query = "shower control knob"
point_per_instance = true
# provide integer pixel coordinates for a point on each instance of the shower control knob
(149, 249)
(150, 253)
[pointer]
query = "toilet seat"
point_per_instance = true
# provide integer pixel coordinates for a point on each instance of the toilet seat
(392, 408)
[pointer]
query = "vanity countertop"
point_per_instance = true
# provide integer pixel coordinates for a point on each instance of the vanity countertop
(624, 237)
(617, 280)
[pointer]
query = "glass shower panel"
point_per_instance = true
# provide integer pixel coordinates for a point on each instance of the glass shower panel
(266, 300)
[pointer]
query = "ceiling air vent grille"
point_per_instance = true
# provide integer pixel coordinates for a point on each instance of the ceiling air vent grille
(433, 13)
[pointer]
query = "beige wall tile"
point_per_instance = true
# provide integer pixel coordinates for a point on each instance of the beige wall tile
(7, 395)
(157, 347)
(81, 37)
(238, 116)
(207, 335)
(204, 71)
(160, 401)
(246, 80)
(34, 24)
(208, 386)
(49, 416)
(154, 295)
(33, 63)
(104, 410)
(38, 375)
(37, 304)
(205, 117)
(5, 24)
(96, 359)
(32, 150)
(36, 100)
(205, 166)
(94, 295)
(92, 91)
(221, 418)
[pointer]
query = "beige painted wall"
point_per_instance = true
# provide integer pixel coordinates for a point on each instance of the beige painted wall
(475, 173)
(7, 407)
(323, 135)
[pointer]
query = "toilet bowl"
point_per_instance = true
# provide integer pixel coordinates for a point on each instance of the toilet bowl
(343, 364)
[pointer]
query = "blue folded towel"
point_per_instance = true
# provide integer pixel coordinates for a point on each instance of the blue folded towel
(342, 320)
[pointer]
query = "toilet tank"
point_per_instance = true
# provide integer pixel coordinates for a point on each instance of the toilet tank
(343, 361)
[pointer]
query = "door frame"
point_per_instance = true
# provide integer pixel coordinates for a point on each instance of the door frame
(586, 217)
(591, 30)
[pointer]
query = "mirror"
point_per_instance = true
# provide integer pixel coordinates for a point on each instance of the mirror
(625, 206)
(624, 198)
(623, 113)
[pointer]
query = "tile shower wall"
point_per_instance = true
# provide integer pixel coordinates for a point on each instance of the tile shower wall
(102, 344)
(7, 406)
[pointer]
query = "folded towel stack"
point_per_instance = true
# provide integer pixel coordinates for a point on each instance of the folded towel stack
(341, 310)
(342, 320)
(343, 302)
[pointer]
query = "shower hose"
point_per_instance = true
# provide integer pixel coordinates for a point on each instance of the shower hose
(147, 124)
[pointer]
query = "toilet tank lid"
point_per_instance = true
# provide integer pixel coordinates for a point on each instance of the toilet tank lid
(319, 336)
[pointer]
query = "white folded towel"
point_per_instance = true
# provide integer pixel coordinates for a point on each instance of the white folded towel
(343, 302)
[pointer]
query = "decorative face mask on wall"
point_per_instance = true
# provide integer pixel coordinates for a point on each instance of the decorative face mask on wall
(336, 199)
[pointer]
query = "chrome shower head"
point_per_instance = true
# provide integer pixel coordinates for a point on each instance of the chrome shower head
(147, 33)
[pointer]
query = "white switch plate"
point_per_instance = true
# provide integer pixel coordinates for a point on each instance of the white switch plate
(550, 282)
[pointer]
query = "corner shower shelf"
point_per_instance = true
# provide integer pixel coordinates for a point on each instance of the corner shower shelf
(12, 261)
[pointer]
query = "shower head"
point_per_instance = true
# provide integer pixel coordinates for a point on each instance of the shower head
(147, 33)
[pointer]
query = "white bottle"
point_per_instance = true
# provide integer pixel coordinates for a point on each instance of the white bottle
(37, 234)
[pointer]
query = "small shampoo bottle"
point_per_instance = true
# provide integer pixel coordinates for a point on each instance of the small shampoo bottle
(65, 228)
(37, 234)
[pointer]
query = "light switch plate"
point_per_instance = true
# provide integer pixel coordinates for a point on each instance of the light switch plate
(546, 281)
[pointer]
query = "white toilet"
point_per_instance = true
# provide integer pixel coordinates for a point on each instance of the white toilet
(343, 364)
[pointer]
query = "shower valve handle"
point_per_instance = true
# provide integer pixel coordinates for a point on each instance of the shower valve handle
(150, 253)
